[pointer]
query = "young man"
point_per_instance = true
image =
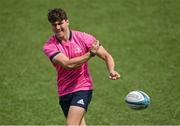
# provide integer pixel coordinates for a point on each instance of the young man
(69, 52)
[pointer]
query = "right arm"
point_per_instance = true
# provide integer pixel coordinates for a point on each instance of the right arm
(75, 62)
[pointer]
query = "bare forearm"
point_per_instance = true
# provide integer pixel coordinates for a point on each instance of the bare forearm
(78, 61)
(109, 63)
(75, 62)
(113, 75)
(103, 54)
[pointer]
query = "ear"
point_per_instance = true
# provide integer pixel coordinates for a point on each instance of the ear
(67, 21)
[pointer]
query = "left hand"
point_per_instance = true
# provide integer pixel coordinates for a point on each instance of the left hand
(114, 75)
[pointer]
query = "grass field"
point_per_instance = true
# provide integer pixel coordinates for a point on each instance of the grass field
(142, 35)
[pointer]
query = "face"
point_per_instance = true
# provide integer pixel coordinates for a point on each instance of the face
(60, 28)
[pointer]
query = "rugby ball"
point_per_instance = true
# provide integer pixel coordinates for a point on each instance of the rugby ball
(137, 100)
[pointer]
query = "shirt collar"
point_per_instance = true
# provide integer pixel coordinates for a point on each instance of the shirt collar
(70, 37)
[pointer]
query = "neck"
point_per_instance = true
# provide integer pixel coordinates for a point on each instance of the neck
(67, 35)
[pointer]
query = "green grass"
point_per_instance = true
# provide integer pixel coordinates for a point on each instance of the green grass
(142, 36)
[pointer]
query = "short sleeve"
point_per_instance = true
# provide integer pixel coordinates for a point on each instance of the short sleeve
(88, 40)
(50, 50)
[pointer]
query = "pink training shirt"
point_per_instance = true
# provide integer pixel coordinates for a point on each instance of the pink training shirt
(73, 80)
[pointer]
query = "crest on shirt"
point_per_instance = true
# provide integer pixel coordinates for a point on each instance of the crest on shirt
(78, 50)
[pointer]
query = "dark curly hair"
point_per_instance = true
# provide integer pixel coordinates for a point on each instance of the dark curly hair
(56, 14)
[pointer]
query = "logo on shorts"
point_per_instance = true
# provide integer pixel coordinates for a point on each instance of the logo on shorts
(80, 102)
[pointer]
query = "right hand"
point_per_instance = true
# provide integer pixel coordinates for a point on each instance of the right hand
(95, 47)
(114, 75)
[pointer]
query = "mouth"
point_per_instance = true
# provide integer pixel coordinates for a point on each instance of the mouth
(58, 31)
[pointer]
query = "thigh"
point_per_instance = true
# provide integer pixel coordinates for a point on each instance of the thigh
(75, 115)
(78, 107)
(82, 99)
(65, 102)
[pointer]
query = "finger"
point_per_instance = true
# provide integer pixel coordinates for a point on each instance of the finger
(112, 74)
(110, 77)
(118, 75)
(97, 42)
(94, 43)
(114, 77)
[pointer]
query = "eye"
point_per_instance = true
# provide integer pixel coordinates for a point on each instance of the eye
(59, 23)
(55, 24)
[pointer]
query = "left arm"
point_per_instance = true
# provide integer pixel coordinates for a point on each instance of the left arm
(103, 54)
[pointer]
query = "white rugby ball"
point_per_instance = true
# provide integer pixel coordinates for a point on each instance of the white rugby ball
(137, 100)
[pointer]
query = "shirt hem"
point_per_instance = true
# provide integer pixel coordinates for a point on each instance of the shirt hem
(80, 89)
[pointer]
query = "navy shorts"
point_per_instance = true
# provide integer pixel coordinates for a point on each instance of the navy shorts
(79, 98)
